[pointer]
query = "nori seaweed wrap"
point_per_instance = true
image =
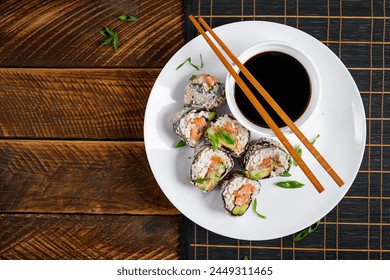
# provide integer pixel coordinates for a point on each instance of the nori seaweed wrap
(265, 158)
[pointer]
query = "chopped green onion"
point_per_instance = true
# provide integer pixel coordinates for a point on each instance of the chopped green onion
(289, 184)
(111, 37)
(245, 258)
(128, 18)
(305, 232)
(193, 77)
(201, 61)
(299, 152)
(109, 31)
(180, 144)
(226, 137)
(116, 41)
(188, 59)
(254, 209)
(179, 66)
(104, 32)
(285, 174)
(214, 139)
(107, 41)
(313, 227)
(314, 140)
(301, 235)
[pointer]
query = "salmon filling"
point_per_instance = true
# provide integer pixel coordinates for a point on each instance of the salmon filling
(198, 128)
(243, 195)
(264, 169)
(214, 172)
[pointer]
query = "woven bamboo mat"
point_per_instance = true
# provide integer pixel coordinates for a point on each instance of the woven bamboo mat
(357, 31)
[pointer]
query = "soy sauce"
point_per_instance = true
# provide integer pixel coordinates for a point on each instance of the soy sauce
(284, 78)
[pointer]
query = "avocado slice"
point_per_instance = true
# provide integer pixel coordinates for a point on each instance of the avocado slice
(240, 210)
(208, 183)
(257, 174)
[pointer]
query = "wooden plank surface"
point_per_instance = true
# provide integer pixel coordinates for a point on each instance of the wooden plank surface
(75, 182)
(47, 33)
(78, 177)
(74, 103)
(26, 236)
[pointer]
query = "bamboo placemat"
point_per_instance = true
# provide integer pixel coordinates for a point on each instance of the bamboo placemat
(357, 31)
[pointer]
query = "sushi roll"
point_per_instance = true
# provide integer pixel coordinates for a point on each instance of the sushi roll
(265, 158)
(190, 124)
(228, 133)
(238, 192)
(209, 167)
(205, 91)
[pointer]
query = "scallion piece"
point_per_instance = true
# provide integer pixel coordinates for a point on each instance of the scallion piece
(128, 18)
(305, 232)
(116, 41)
(314, 140)
(299, 152)
(289, 184)
(213, 138)
(193, 77)
(180, 144)
(285, 174)
(111, 37)
(189, 60)
(226, 137)
(254, 206)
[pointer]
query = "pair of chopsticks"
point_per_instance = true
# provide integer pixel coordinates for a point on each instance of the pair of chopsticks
(263, 112)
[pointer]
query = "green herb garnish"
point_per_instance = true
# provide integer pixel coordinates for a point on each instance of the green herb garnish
(289, 184)
(303, 233)
(245, 258)
(116, 42)
(226, 137)
(201, 180)
(180, 144)
(299, 152)
(214, 139)
(243, 171)
(201, 61)
(111, 37)
(285, 174)
(128, 18)
(254, 206)
(314, 140)
(193, 77)
(188, 59)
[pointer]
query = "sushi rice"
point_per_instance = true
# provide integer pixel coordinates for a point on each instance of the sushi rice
(238, 192)
(209, 167)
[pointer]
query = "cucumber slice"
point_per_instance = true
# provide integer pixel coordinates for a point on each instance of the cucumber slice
(240, 210)
(257, 174)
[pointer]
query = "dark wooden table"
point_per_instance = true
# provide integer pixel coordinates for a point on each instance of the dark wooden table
(75, 182)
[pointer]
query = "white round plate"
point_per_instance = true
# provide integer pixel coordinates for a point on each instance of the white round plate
(340, 121)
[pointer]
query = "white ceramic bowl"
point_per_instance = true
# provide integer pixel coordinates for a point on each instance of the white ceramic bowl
(283, 47)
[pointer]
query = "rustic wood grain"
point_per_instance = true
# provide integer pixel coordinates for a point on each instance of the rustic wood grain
(74, 103)
(72, 185)
(48, 33)
(26, 236)
(78, 177)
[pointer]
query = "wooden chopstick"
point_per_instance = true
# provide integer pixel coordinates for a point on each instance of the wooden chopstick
(276, 107)
(260, 109)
